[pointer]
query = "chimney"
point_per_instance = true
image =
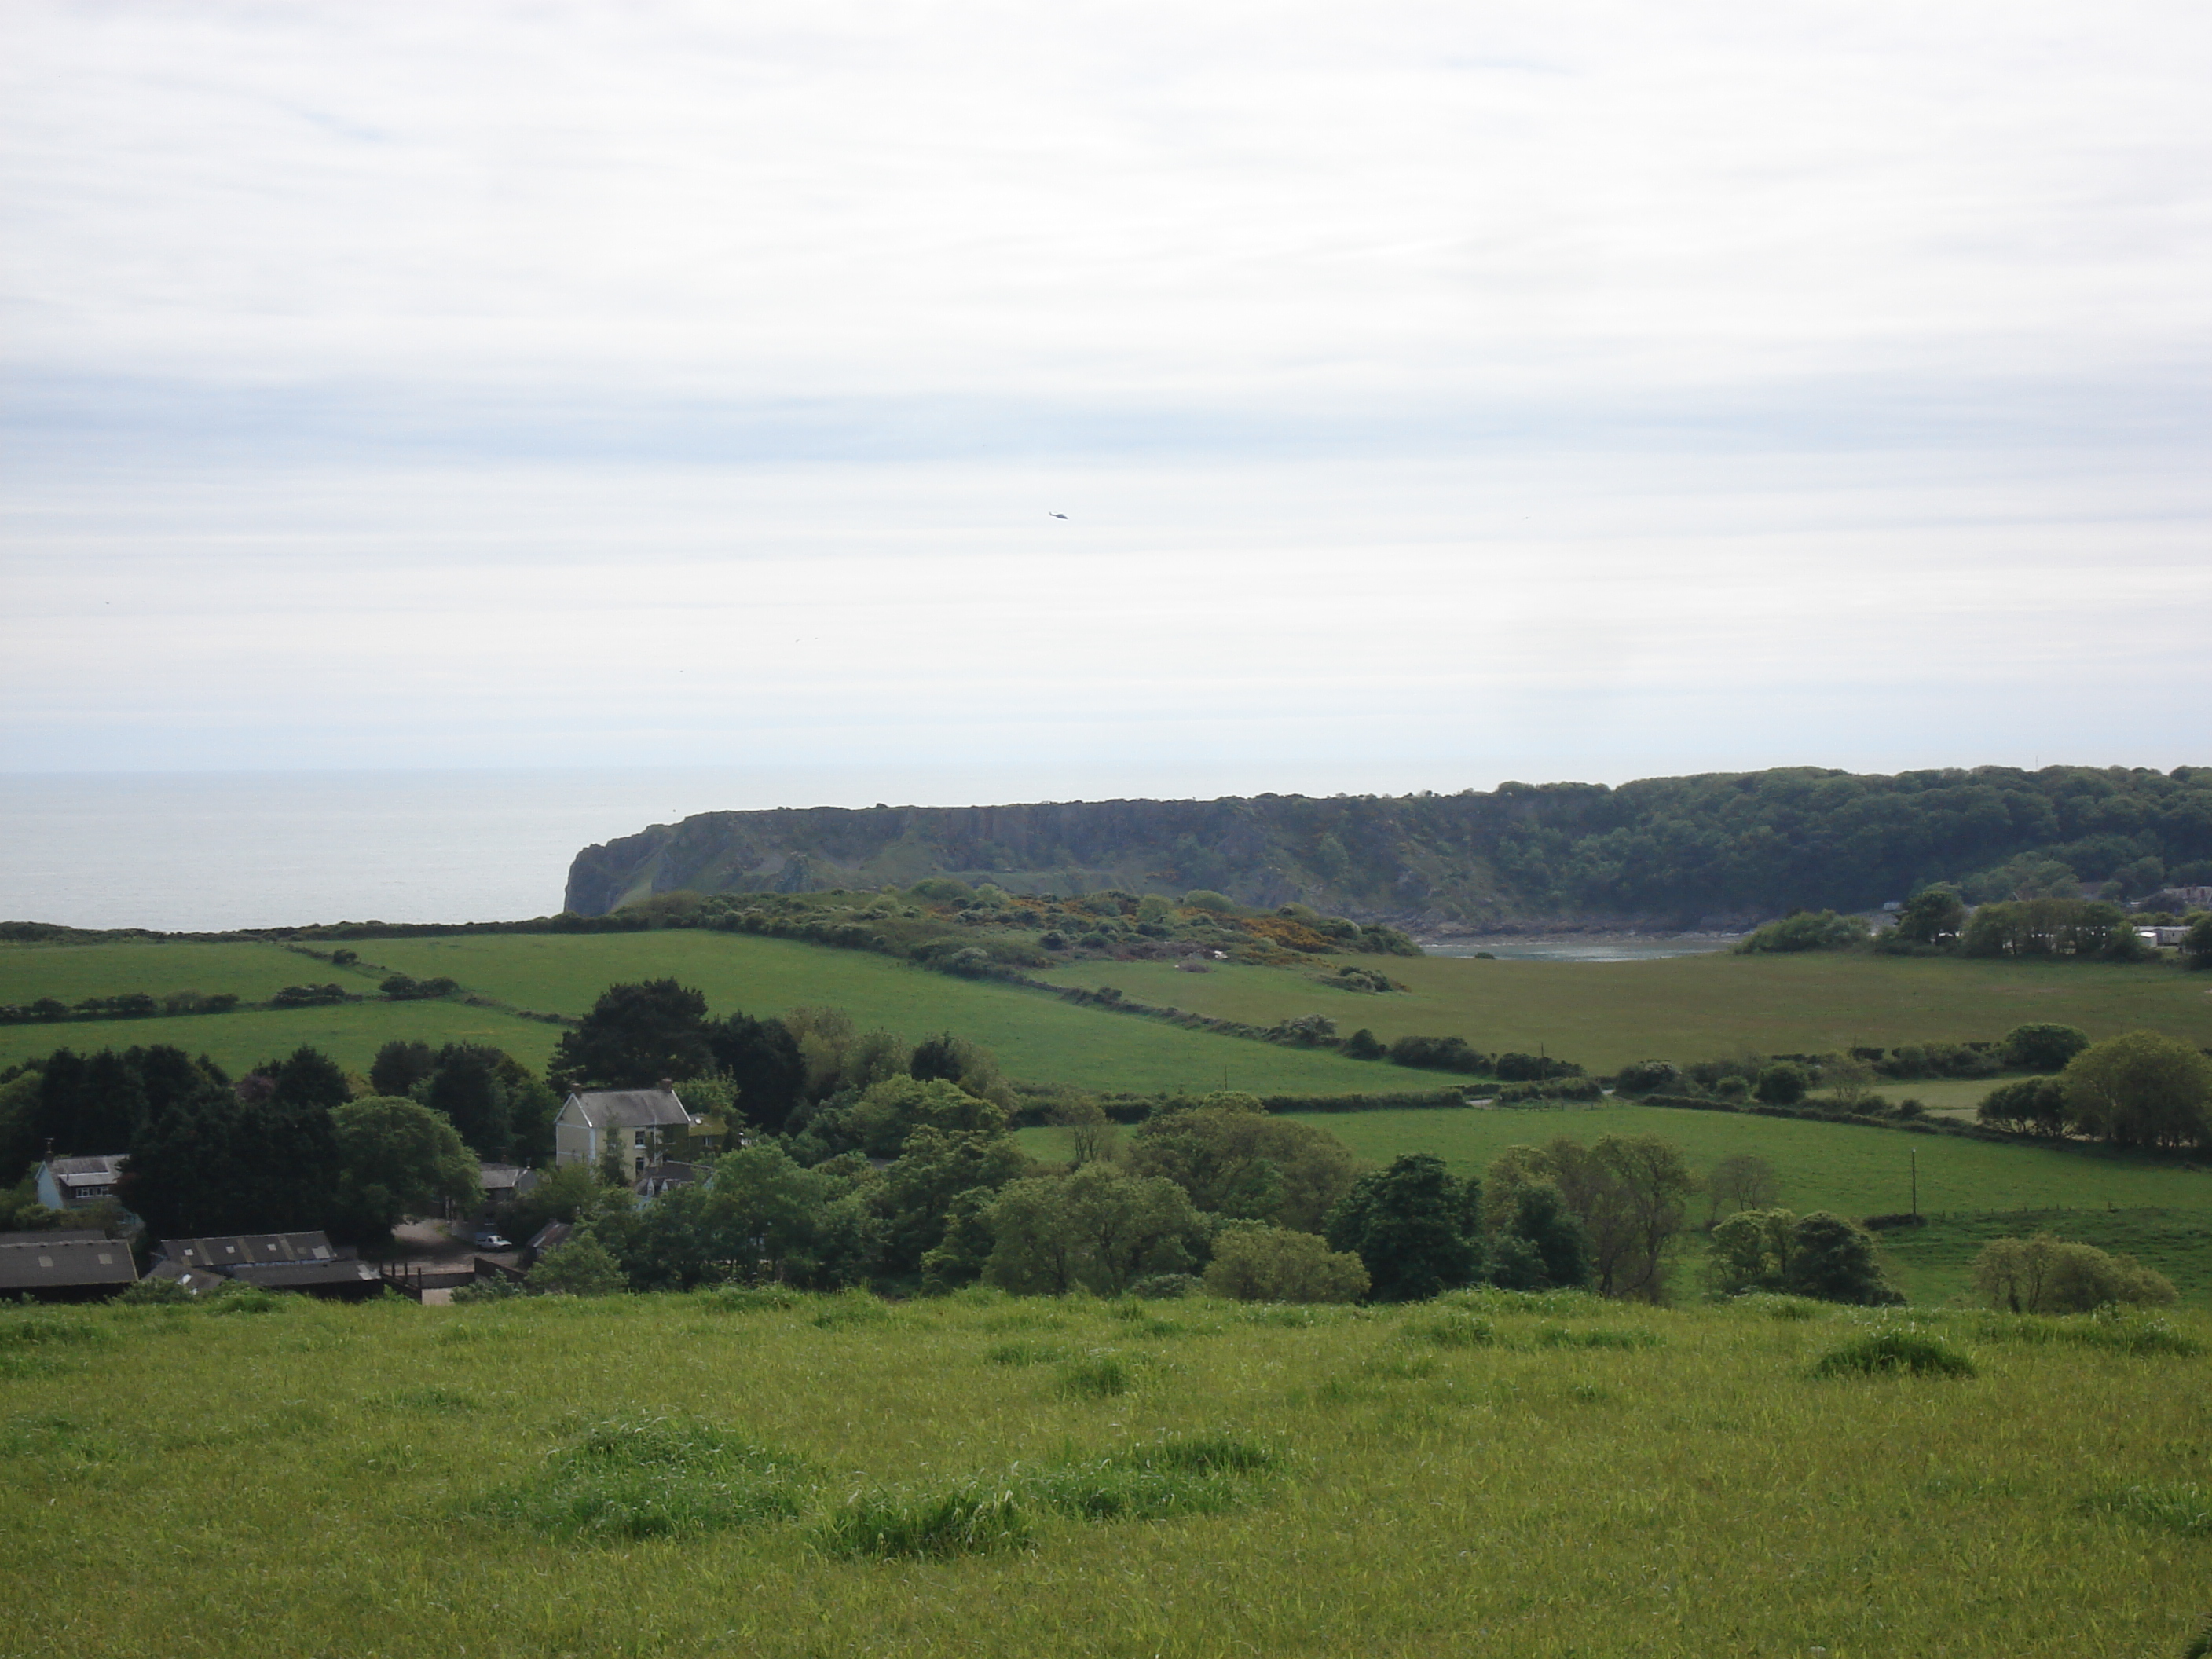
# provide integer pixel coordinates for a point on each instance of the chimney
(667, 1084)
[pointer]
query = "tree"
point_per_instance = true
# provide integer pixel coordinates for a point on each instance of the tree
(1818, 1255)
(1415, 1226)
(1742, 1180)
(636, 1035)
(2141, 1089)
(1834, 1259)
(956, 1060)
(306, 1078)
(1236, 1160)
(2196, 942)
(1275, 1264)
(1781, 1082)
(1092, 1136)
(225, 1165)
(399, 1066)
(1543, 1246)
(396, 1159)
(87, 1105)
(1806, 930)
(579, 1265)
(570, 1193)
(2029, 1105)
(466, 1087)
(887, 1114)
(1094, 1230)
(763, 1061)
(2047, 1274)
(2042, 1046)
(1932, 916)
(917, 1194)
(1631, 1193)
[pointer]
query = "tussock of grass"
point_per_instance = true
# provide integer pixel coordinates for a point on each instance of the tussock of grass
(2201, 1646)
(974, 1518)
(1788, 1309)
(1893, 1351)
(1565, 1336)
(850, 1308)
(1453, 1330)
(41, 1328)
(1200, 1475)
(430, 1397)
(2135, 1334)
(2186, 1509)
(1026, 1353)
(754, 1299)
(651, 1477)
(1557, 1304)
(1097, 1375)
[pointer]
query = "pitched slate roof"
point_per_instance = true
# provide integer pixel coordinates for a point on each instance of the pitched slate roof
(73, 1174)
(630, 1108)
(244, 1249)
(31, 1261)
(505, 1177)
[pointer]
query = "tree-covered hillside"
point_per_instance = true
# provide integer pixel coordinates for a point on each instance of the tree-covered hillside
(1717, 846)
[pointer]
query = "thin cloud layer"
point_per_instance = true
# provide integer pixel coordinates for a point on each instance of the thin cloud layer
(1546, 388)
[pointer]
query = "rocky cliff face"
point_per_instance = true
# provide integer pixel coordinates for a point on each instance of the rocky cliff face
(1667, 852)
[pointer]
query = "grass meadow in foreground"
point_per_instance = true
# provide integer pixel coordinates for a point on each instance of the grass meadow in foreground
(720, 1473)
(1606, 1014)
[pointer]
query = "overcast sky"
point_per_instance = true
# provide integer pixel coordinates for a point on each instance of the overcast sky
(1435, 394)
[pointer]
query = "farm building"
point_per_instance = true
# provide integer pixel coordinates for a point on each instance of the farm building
(78, 1183)
(307, 1262)
(64, 1267)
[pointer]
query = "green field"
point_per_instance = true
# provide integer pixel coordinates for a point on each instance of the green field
(350, 1033)
(68, 972)
(307, 1482)
(1036, 1037)
(1606, 1014)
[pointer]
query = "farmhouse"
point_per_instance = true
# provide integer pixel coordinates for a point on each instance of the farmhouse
(276, 1261)
(78, 1183)
(638, 1123)
(64, 1267)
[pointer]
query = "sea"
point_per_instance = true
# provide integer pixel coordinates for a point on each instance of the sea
(209, 851)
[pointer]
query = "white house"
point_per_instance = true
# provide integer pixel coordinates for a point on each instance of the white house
(641, 1121)
(74, 1183)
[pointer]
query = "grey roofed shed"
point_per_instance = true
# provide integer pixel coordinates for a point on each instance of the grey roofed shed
(65, 1264)
(225, 1252)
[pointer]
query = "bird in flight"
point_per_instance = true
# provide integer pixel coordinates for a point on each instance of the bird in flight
(1055, 515)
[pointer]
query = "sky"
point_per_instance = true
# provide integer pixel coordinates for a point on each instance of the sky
(1435, 394)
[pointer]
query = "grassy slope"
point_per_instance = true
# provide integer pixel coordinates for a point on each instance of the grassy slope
(287, 1495)
(70, 972)
(350, 1033)
(1607, 1014)
(1036, 1037)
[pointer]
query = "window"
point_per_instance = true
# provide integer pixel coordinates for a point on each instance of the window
(638, 1139)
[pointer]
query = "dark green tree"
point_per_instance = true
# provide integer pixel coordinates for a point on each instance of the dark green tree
(762, 1059)
(1782, 1082)
(2042, 1047)
(399, 1066)
(917, 1194)
(396, 1159)
(1934, 915)
(1416, 1226)
(634, 1036)
(306, 1077)
(466, 1087)
(1834, 1260)
(213, 1166)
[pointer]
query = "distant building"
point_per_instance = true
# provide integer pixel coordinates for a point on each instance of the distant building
(307, 1262)
(64, 1267)
(641, 1122)
(665, 1175)
(78, 1183)
(2178, 899)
